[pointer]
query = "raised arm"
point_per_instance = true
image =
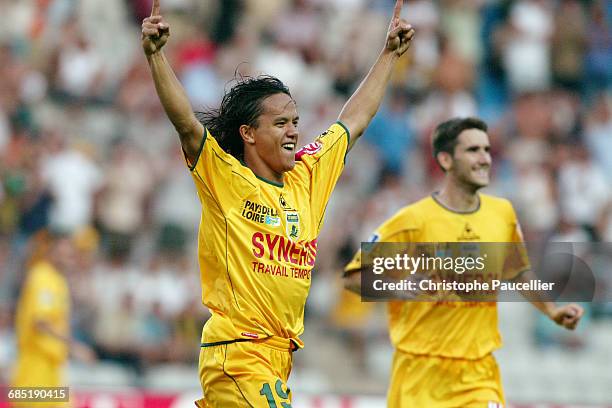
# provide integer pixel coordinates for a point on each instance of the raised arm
(155, 33)
(363, 104)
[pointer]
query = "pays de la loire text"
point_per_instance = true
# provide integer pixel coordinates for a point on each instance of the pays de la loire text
(257, 212)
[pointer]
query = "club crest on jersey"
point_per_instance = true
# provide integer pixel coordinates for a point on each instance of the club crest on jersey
(468, 234)
(293, 224)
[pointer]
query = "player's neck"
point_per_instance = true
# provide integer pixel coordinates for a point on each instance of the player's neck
(261, 169)
(458, 198)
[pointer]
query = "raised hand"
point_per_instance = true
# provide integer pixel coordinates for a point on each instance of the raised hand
(400, 33)
(568, 316)
(155, 31)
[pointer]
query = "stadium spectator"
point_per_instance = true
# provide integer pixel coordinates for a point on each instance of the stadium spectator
(73, 179)
(124, 196)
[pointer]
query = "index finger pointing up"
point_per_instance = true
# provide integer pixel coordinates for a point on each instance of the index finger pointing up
(155, 9)
(397, 10)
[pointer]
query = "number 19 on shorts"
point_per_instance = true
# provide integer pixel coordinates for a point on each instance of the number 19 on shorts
(266, 391)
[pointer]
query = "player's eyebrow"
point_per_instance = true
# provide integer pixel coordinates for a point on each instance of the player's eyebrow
(286, 118)
(478, 146)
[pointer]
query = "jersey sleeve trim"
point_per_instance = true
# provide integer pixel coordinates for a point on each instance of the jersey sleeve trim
(348, 138)
(348, 134)
(195, 161)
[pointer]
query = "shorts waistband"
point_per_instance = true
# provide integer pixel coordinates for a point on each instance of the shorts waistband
(275, 342)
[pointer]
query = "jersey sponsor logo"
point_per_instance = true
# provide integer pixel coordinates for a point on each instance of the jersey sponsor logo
(278, 248)
(292, 219)
(468, 234)
(260, 213)
(493, 404)
(272, 221)
(310, 149)
(275, 269)
(251, 335)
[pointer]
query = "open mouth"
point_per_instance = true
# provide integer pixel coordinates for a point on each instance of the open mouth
(288, 146)
(482, 172)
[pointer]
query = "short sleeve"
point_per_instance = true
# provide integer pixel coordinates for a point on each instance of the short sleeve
(324, 160)
(212, 171)
(397, 229)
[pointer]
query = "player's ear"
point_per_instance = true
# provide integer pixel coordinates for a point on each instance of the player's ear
(246, 133)
(445, 160)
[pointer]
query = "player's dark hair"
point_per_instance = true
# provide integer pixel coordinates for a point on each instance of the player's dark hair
(242, 105)
(446, 133)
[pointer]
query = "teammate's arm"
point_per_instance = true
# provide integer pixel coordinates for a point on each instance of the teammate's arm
(79, 350)
(567, 316)
(363, 104)
(155, 33)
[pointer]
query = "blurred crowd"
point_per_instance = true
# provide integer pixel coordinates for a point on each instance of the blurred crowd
(85, 146)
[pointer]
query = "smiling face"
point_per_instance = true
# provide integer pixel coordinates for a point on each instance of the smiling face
(270, 146)
(470, 163)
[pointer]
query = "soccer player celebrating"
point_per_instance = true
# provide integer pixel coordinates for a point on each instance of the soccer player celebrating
(443, 350)
(263, 203)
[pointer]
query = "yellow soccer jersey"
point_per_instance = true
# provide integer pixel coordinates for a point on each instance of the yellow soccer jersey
(447, 329)
(44, 296)
(258, 239)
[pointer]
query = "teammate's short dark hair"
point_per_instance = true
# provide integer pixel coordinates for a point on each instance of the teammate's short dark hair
(446, 133)
(242, 105)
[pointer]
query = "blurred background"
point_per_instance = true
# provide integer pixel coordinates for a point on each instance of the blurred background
(85, 147)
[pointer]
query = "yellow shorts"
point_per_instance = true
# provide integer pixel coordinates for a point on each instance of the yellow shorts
(246, 374)
(437, 382)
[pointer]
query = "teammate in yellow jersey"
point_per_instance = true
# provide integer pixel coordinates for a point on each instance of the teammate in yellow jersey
(443, 350)
(263, 204)
(43, 319)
